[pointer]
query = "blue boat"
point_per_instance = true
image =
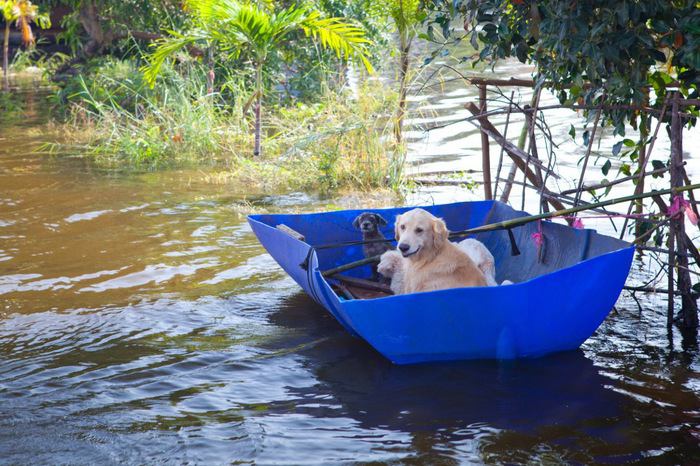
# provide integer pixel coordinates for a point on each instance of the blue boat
(562, 290)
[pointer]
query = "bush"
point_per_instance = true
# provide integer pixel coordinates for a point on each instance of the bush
(342, 140)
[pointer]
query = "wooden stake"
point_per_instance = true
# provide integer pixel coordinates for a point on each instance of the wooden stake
(641, 162)
(671, 286)
(689, 306)
(485, 152)
(532, 153)
(585, 160)
(521, 145)
(639, 188)
(505, 136)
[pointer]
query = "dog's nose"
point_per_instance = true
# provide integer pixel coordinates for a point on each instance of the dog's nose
(404, 247)
(366, 225)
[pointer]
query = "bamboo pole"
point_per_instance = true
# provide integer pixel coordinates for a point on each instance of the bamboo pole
(588, 155)
(641, 162)
(505, 136)
(521, 145)
(638, 189)
(485, 150)
(516, 222)
(517, 82)
(646, 289)
(528, 109)
(532, 152)
(617, 181)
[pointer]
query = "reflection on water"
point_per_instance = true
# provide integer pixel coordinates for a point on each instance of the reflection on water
(141, 322)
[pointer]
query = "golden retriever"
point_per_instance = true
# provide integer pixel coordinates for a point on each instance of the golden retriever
(433, 262)
(391, 265)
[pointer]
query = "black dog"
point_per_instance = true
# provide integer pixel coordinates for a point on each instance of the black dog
(369, 224)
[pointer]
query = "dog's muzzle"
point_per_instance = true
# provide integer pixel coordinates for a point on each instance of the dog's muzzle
(404, 248)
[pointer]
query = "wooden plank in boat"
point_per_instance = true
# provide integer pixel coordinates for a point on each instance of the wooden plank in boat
(290, 231)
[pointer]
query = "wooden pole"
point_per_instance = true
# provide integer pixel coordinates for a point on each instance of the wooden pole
(641, 161)
(485, 153)
(505, 136)
(585, 160)
(532, 154)
(671, 286)
(638, 189)
(689, 307)
(521, 145)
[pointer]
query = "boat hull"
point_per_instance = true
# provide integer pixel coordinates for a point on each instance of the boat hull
(561, 295)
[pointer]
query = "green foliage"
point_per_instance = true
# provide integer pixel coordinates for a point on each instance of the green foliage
(251, 31)
(106, 84)
(336, 142)
(406, 15)
(593, 50)
(36, 58)
(194, 103)
(246, 28)
(116, 19)
(127, 124)
(375, 24)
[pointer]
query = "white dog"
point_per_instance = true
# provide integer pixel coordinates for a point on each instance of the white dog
(482, 257)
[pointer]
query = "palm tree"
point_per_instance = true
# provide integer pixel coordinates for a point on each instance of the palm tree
(23, 13)
(243, 27)
(407, 16)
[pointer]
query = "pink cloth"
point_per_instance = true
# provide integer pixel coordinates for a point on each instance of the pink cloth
(680, 206)
(538, 238)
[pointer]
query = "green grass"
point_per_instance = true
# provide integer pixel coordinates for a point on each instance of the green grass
(338, 141)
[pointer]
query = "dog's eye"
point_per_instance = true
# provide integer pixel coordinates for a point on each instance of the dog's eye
(419, 230)
(403, 227)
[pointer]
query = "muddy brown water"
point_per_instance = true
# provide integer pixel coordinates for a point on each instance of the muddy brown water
(141, 322)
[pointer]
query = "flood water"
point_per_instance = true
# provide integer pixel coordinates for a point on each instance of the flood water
(142, 323)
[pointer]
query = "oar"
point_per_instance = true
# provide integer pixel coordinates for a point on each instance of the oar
(516, 222)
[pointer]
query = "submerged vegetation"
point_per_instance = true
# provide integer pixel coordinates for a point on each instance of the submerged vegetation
(186, 88)
(341, 139)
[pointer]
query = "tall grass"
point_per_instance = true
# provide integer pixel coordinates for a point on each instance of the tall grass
(341, 140)
(125, 124)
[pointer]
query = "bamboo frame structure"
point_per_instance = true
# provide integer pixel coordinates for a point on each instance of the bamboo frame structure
(680, 247)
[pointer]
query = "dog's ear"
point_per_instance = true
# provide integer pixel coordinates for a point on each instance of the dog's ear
(381, 221)
(440, 233)
(356, 222)
(396, 227)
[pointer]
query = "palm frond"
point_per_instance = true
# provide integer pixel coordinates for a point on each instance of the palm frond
(166, 48)
(346, 39)
(203, 10)
(255, 24)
